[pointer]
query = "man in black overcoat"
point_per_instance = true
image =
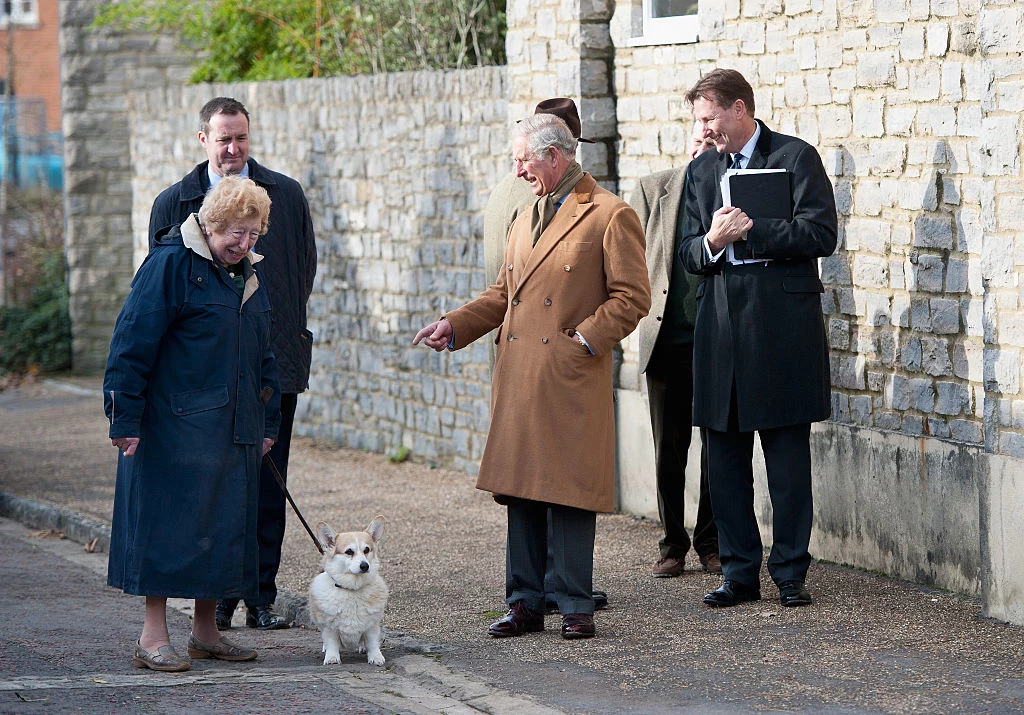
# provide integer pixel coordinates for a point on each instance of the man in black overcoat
(760, 354)
(289, 248)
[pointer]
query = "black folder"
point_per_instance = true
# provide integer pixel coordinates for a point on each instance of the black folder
(762, 194)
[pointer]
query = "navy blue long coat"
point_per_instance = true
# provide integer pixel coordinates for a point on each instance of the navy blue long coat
(188, 359)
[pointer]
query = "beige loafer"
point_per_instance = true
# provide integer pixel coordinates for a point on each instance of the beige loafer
(222, 650)
(165, 659)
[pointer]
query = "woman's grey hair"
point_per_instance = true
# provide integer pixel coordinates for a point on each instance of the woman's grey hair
(543, 131)
(234, 198)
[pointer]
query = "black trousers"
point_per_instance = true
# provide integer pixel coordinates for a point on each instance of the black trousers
(272, 508)
(670, 394)
(572, 548)
(787, 457)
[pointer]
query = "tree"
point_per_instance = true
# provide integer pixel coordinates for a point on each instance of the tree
(245, 40)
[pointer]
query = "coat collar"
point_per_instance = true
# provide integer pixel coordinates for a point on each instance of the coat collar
(197, 182)
(576, 205)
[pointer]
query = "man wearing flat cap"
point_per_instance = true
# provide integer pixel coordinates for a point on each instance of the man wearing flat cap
(573, 284)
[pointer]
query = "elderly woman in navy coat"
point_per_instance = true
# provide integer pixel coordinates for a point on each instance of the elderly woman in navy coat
(191, 393)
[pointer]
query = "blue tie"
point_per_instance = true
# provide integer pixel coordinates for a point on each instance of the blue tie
(736, 161)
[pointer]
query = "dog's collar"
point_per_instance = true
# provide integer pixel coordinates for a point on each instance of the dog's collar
(338, 585)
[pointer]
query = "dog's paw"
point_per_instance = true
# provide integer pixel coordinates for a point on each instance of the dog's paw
(332, 658)
(376, 658)
(362, 648)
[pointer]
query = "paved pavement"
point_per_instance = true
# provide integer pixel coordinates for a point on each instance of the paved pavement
(868, 644)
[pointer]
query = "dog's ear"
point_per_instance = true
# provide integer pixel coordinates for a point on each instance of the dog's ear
(376, 528)
(325, 534)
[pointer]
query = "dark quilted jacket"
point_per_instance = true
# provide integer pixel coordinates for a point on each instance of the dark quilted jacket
(289, 250)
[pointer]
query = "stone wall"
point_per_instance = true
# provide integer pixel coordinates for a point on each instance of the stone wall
(98, 71)
(915, 108)
(396, 169)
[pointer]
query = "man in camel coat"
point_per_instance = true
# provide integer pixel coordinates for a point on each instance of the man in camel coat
(575, 284)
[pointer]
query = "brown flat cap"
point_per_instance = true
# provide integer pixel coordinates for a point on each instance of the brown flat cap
(565, 109)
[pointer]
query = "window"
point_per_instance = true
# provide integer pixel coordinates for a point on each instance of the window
(19, 12)
(667, 22)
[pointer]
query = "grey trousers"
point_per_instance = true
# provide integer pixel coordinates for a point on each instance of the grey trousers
(572, 546)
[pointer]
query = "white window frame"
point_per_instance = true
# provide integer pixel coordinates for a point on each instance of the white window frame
(20, 16)
(681, 29)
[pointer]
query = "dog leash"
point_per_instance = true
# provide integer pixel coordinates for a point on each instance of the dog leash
(280, 483)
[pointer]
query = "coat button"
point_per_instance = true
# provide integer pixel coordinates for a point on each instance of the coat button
(180, 409)
(567, 268)
(547, 301)
(658, 318)
(515, 301)
(544, 340)
(199, 279)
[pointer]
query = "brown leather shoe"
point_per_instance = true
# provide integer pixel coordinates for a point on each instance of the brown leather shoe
(578, 625)
(711, 563)
(517, 621)
(668, 567)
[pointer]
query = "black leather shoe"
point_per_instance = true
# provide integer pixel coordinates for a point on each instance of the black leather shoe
(794, 593)
(517, 621)
(578, 625)
(225, 610)
(264, 619)
(731, 593)
(600, 602)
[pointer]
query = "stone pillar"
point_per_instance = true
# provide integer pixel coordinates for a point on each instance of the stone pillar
(99, 68)
(558, 49)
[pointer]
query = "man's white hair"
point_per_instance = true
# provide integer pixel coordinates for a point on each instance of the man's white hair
(544, 132)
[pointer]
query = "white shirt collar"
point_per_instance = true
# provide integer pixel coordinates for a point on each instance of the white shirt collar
(748, 149)
(215, 178)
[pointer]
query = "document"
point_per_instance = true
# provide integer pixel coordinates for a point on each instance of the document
(761, 193)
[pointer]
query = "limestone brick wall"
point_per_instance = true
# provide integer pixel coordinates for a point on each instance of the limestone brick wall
(98, 71)
(396, 169)
(915, 107)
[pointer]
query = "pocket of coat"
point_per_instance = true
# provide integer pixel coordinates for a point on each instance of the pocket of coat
(306, 341)
(802, 284)
(574, 246)
(193, 401)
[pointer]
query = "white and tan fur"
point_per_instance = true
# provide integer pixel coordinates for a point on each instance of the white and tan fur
(347, 600)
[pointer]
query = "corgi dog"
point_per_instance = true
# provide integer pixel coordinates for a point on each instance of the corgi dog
(347, 600)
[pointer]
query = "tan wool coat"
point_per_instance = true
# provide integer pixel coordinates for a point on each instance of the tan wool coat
(552, 432)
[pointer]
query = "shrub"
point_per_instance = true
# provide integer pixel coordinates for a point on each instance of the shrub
(35, 326)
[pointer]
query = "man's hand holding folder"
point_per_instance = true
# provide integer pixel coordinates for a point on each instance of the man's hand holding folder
(760, 194)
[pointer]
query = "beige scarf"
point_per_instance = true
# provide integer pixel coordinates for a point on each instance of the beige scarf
(544, 208)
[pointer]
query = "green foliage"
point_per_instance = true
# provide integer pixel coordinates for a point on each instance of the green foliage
(35, 327)
(397, 455)
(250, 40)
